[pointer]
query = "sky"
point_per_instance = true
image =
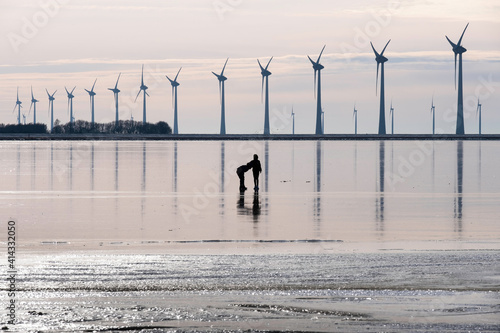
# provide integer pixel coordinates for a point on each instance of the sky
(53, 44)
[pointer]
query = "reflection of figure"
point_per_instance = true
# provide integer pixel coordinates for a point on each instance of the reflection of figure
(255, 210)
(256, 204)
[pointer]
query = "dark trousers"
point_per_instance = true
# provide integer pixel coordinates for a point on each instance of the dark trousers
(241, 176)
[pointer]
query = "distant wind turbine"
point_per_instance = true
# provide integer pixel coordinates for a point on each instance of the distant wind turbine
(478, 111)
(51, 108)
(391, 112)
(115, 91)
(317, 70)
(143, 88)
(355, 116)
(175, 84)
(221, 79)
(33, 103)
(70, 104)
(433, 111)
(18, 106)
(458, 49)
(24, 119)
(265, 77)
(92, 94)
(293, 121)
(380, 61)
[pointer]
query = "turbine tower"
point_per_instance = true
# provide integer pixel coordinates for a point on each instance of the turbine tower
(265, 76)
(70, 104)
(33, 103)
(18, 106)
(317, 70)
(380, 61)
(175, 84)
(143, 88)
(391, 112)
(433, 111)
(51, 108)
(92, 94)
(293, 121)
(115, 91)
(221, 79)
(478, 110)
(458, 49)
(355, 116)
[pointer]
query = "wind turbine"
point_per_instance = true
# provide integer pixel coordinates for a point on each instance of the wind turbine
(92, 94)
(317, 70)
(51, 108)
(221, 79)
(293, 121)
(433, 111)
(265, 76)
(70, 104)
(175, 84)
(355, 116)
(18, 106)
(478, 110)
(24, 119)
(458, 49)
(380, 61)
(143, 88)
(33, 103)
(391, 112)
(115, 91)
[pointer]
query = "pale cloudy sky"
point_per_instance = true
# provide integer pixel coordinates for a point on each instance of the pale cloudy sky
(56, 43)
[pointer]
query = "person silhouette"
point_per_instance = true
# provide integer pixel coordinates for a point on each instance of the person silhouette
(256, 170)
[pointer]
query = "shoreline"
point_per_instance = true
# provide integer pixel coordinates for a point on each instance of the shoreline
(244, 137)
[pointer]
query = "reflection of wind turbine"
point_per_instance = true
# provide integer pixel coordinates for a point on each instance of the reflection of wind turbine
(433, 111)
(92, 94)
(293, 121)
(33, 103)
(458, 49)
(18, 106)
(70, 104)
(380, 61)
(175, 84)
(51, 108)
(391, 112)
(355, 116)
(143, 88)
(478, 111)
(221, 79)
(115, 91)
(317, 70)
(265, 76)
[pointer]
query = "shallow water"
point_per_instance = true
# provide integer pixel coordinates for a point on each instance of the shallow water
(177, 191)
(342, 236)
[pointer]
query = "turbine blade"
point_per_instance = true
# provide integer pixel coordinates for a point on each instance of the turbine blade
(30, 108)
(453, 45)
(376, 84)
(262, 91)
(373, 48)
(215, 74)
(223, 68)
(66, 90)
(32, 93)
(142, 76)
(177, 74)
(455, 71)
(18, 93)
(73, 89)
(321, 53)
(87, 91)
(169, 79)
(116, 85)
(312, 61)
(93, 85)
(137, 96)
(47, 92)
(146, 93)
(269, 63)
(261, 68)
(14, 108)
(460, 40)
(385, 47)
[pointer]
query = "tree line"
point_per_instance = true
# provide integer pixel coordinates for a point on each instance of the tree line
(85, 127)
